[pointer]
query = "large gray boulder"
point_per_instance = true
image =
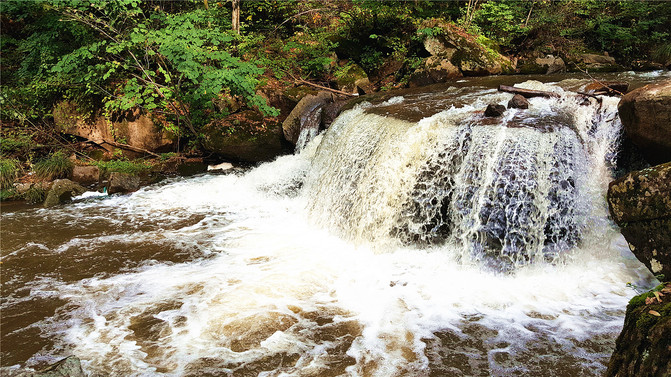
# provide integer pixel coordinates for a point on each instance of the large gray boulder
(640, 203)
(62, 191)
(646, 116)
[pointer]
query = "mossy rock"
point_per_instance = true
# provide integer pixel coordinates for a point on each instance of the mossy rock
(644, 348)
(62, 191)
(248, 138)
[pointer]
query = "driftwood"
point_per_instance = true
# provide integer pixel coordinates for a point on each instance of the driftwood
(122, 146)
(527, 93)
(325, 88)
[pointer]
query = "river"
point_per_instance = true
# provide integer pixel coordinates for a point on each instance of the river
(413, 238)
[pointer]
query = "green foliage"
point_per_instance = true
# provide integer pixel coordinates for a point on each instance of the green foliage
(503, 20)
(122, 166)
(16, 142)
(662, 54)
(9, 171)
(58, 165)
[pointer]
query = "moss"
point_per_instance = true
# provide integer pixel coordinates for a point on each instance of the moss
(122, 166)
(35, 195)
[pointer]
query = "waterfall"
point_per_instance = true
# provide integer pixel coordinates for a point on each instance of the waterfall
(506, 191)
(413, 238)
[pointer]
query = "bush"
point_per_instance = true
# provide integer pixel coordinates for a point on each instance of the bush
(9, 171)
(58, 165)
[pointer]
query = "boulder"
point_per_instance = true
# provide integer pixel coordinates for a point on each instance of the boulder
(518, 102)
(350, 77)
(62, 190)
(436, 70)
(646, 116)
(463, 51)
(123, 183)
(598, 63)
(86, 175)
(245, 136)
(551, 64)
(69, 367)
(643, 347)
(307, 115)
(640, 204)
(135, 128)
(494, 110)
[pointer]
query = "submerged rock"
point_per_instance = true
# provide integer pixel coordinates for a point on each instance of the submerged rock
(640, 203)
(62, 191)
(518, 102)
(646, 117)
(69, 367)
(494, 110)
(644, 346)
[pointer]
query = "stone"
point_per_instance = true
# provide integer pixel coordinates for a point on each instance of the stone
(461, 50)
(518, 102)
(86, 175)
(494, 110)
(640, 204)
(643, 347)
(551, 64)
(62, 190)
(597, 63)
(123, 183)
(220, 167)
(306, 115)
(68, 367)
(350, 77)
(135, 128)
(436, 70)
(646, 117)
(246, 136)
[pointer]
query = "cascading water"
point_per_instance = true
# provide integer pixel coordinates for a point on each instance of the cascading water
(378, 250)
(516, 189)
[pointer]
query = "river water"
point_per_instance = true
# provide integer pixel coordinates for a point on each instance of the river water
(414, 238)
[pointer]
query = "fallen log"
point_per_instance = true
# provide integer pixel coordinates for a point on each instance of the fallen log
(527, 93)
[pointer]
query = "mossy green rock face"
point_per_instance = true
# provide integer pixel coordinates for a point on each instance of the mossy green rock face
(62, 191)
(646, 116)
(640, 203)
(463, 50)
(644, 346)
(245, 137)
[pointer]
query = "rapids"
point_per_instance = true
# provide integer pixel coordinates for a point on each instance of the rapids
(413, 238)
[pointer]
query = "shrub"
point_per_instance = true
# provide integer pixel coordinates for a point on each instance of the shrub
(58, 165)
(9, 171)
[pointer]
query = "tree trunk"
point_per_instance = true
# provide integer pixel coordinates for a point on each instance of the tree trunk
(236, 16)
